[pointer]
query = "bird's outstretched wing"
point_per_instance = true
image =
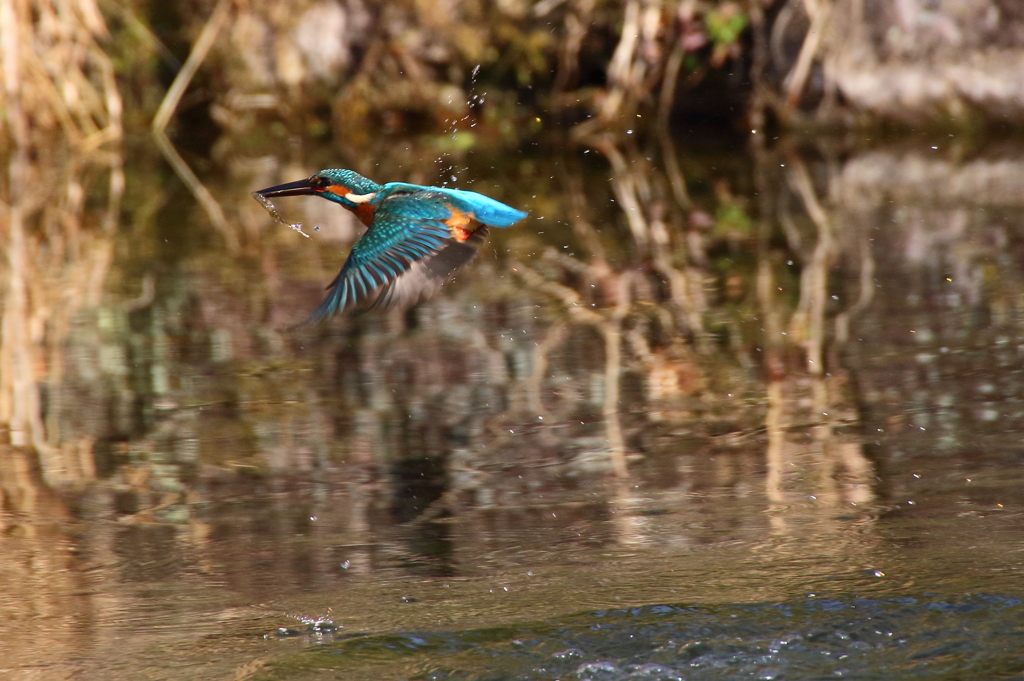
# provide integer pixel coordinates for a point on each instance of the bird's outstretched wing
(408, 252)
(424, 277)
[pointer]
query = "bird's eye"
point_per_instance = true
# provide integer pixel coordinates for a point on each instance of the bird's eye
(320, 182)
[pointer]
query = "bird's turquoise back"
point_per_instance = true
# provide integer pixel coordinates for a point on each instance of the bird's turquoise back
(481, 208)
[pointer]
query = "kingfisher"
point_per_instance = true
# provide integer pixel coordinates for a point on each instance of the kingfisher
(416, 236)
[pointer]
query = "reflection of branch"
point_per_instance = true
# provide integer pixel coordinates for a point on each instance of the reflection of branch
(789, 227)
(832, 468)
(20, 405)
(814, 281)
(145, 298)
(166, 110)
(776, 453)
(867, 291)
(624, 184)
(570, 298)
(581, 227)
(675, 173)
(552, 339)
(668, 85)
(628, 523)
(634, 191)
(612, 368)
(112, 215)
(682, 295)
(611, 329)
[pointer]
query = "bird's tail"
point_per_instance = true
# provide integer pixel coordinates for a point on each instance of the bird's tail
(484, 209)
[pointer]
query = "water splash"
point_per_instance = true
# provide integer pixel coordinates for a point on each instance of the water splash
(272, 209)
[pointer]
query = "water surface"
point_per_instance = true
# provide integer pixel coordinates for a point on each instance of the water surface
(739, 431)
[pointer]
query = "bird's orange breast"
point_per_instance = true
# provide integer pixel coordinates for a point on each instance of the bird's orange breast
(461, 224)
(364, 211)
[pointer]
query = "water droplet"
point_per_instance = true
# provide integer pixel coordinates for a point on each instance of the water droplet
(345, 565)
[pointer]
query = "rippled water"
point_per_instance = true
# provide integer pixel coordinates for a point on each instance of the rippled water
(810, 378)
(862, 638)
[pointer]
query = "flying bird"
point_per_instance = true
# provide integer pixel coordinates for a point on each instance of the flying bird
(416, 236)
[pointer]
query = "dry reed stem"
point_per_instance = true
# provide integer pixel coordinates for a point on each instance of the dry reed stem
(56, 74)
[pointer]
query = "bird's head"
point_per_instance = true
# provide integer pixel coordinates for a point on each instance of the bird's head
(346, 187)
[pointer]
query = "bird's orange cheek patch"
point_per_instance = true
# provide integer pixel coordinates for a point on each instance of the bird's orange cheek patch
(460, 224)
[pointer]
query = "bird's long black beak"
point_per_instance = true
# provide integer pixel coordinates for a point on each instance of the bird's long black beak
(297, 188)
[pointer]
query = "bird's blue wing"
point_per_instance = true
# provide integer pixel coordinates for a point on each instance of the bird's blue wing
(403, 231)
(408, 251)
(424, 277)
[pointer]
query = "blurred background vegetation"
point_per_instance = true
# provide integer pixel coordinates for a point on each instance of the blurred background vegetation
(344, 68)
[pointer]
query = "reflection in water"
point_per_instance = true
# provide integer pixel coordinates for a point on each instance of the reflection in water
(844, 474)
(49, 279)
(628, 398)
(54, 264)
